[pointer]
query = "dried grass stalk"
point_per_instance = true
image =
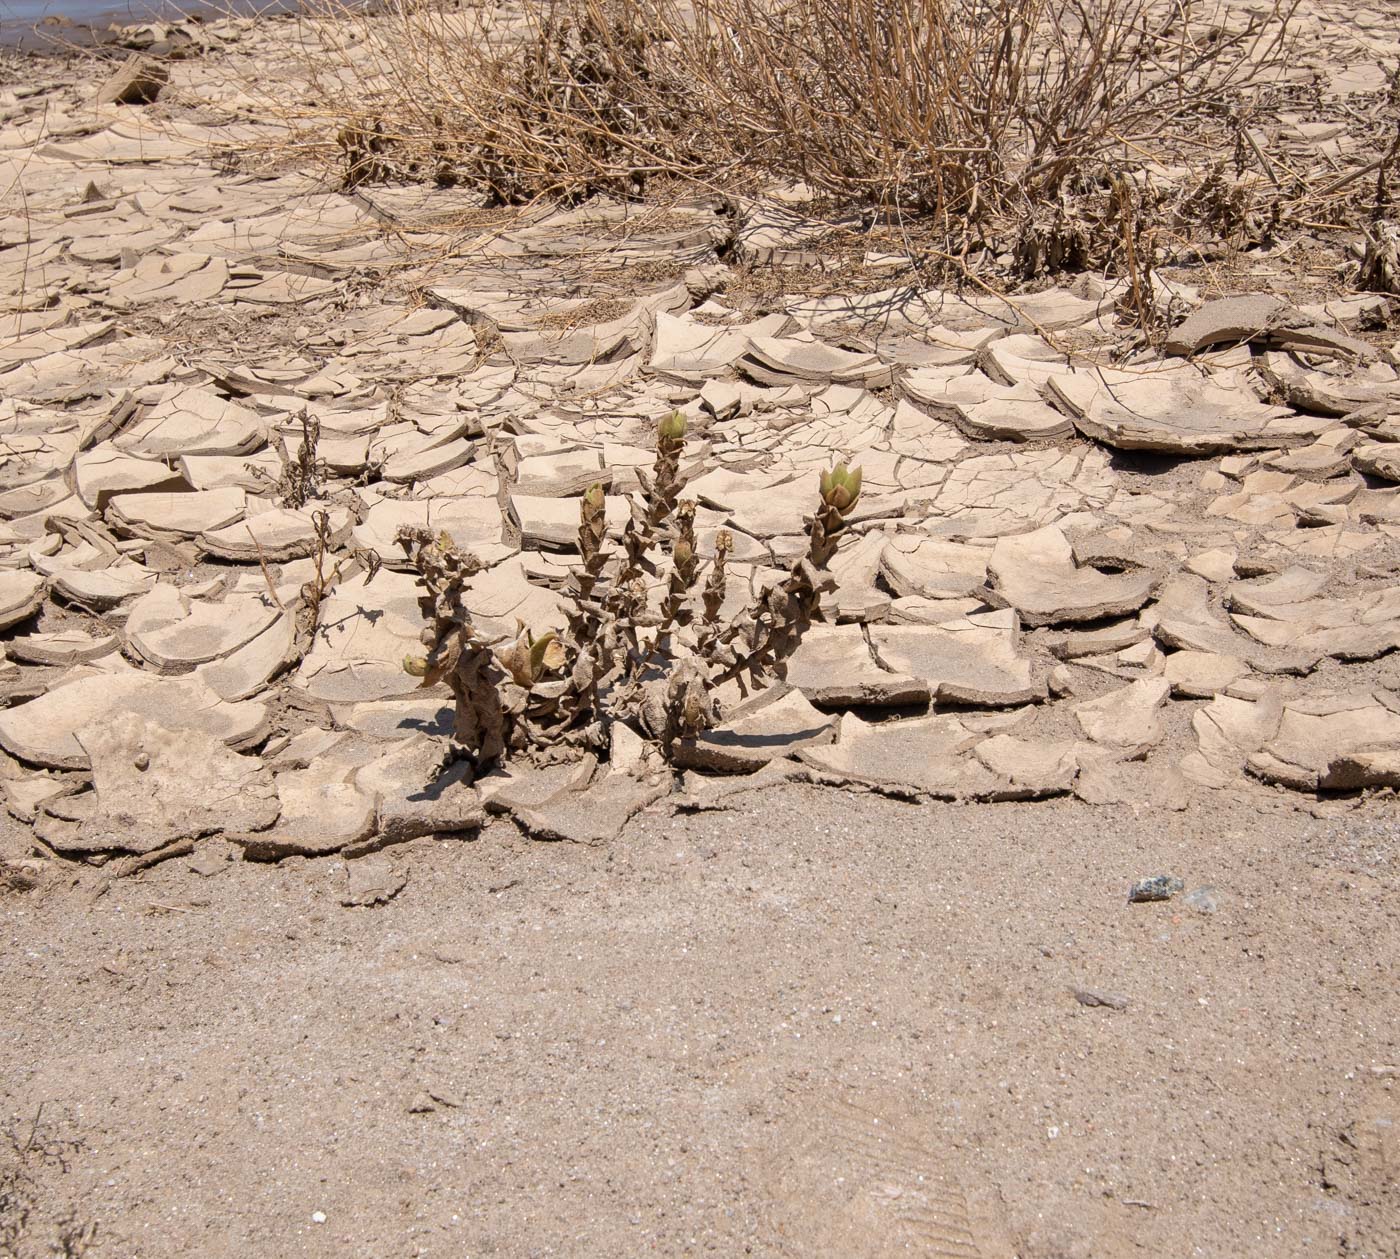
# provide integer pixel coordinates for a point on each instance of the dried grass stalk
(963, 112)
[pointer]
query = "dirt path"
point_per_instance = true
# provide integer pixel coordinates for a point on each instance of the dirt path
(819, 1025)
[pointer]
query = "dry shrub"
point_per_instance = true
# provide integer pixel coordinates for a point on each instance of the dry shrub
(968, 111)
(969, 114)
(556, 101)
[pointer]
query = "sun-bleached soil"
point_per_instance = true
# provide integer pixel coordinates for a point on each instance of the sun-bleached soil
(814, 1026)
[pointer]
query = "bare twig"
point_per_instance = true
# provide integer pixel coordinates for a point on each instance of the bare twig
(267, 576)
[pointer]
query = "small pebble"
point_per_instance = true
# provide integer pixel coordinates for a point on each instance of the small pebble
(1160, 887)
(1094, 997)
(318, 1217)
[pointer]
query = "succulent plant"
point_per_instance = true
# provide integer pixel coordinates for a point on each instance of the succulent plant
(840, 488)
(633, 649)
(671, 430)
(753, 649)
(456, 652)
(529, 659)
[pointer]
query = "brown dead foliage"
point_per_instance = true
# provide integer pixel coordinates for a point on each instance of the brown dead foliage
(993, 121)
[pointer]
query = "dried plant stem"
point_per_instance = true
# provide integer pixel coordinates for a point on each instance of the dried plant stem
(267, 576)
(787, 609)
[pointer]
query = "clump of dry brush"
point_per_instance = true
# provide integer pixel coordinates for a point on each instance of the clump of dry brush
(644, 643)
(974, 116)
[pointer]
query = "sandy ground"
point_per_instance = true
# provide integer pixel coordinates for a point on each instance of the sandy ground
(820, 1024)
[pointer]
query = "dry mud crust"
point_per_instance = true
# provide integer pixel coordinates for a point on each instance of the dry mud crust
(821, 1023)
(201, 353)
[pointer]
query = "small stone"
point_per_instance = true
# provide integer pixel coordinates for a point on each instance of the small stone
(1160, 887)
(444, 1096)
(1094, 997)
(421, 1104)
(211, 858)
(371, 881)
(318, 1217)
